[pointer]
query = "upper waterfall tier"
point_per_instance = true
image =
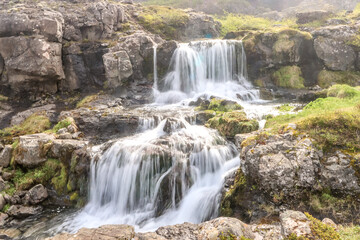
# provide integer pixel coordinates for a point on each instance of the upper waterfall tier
(213, 66)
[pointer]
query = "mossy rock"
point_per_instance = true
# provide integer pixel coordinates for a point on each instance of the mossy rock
(289, 77)
(219, 105)
(165, 21)
(231, 123)
(328, 78)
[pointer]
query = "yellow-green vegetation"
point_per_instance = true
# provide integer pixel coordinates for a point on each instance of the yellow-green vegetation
(230, 236)
(59, 182)
(52, 170)
(62, 124)
(350, 233)
(5, 208)
(334, 122)
(86, 100)
(74, 197)
(165, 21)
(221, 105)
(257, 139)
(3, 98)
(36, 123)
(289, 77)
(285, 108)
(234, 23)
(320, 230)
(232, 195)
(231, 123)
(328, 78)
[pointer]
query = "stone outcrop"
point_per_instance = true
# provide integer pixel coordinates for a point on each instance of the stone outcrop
(278, 171)
(292, 223)
(32, 149)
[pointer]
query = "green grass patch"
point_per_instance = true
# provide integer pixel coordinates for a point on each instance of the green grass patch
(285, 108)
(62, 124)
(5, 208)
(334, 122)
(235, 23)
(165, 21)
(86, 100)
(328, 78)
(350, 233)
(289, 77)
(36, 123)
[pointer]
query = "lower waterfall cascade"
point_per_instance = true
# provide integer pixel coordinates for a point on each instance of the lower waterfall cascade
(172, 171)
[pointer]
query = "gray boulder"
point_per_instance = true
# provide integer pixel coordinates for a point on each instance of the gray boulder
(18, 211)
(36, 194)
(294, 222)
(5, 156)
(32, 149)
(307, 17)
(2, 201)
(44, 70)
(118, 68)
(335, 54)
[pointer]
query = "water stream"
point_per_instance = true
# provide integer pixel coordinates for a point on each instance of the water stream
(172, 171)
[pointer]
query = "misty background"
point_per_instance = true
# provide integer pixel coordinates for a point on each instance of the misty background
(285, 8)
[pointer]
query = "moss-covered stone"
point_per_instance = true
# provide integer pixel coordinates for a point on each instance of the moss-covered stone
(289, 77)
(320, 230)
(36, 123)
(221, 105)
(165, 21)
(328, 78)
(230, 198)
(231, 123)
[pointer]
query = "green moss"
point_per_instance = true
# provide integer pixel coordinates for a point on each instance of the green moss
(221, 105)
(165, 21)
(350, 233)
(230, 197)
(62, 124)
(86, 100)
(3, 98)
(60, 182)
(5, 208)
(230, 236)
(328, 78)
(231, 123)
(36, 123)
(343, 91)
(26, 179)
(320, 230)
(289, 77)
(74, 197)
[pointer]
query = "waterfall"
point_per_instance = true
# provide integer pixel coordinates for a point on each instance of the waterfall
(212, 68)
(171, 171)
(155, 68)
(166, 175)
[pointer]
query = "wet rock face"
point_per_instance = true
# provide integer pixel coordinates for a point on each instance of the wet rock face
(18, 211)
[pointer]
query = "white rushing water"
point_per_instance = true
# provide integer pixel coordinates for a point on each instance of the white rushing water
(172, 171)
(206, 68)
(171, 174)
